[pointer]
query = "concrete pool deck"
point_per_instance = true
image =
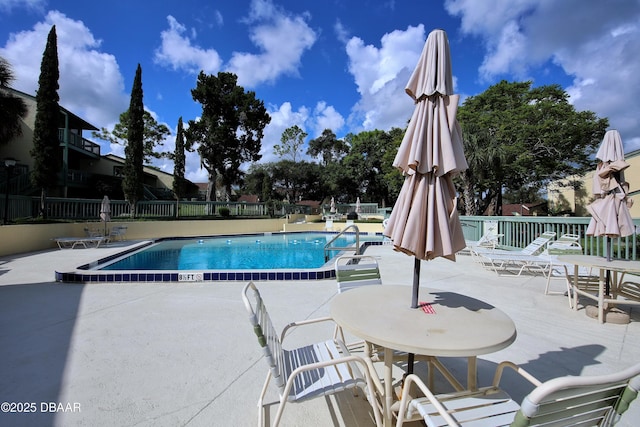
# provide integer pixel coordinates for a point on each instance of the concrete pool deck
(183, 354)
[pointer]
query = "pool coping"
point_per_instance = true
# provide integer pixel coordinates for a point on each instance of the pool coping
(83, 274)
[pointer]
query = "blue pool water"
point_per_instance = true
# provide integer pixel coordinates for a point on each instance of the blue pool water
(254, 252)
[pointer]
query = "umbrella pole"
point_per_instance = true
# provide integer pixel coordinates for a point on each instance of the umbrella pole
(416, 283)
(414, 304)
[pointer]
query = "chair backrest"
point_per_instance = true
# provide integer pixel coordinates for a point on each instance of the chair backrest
(560, 247)
(356, 270)
(538, 244)
(576, 401)
(489, 239)
(568, 237)
(119, 230)
(265, 331)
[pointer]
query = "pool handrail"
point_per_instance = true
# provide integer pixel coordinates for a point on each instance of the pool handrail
(328, 247)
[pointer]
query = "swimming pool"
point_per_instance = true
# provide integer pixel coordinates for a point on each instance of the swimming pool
(266, 256)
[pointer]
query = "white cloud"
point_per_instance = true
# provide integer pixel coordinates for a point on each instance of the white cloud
(178, 52)
(91, 84)
(380, 75)
(282, 117)
(504, 56)
(9, 5)
(326, 117)
(282, 40)
(595, 43)
(342, 34)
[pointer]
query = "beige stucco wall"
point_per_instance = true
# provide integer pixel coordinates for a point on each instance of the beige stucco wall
(16, 239)
(20, 147)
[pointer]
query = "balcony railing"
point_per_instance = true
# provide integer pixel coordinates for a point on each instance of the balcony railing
(79, 142)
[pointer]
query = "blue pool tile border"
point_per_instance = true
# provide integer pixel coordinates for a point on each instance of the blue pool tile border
(102, 277)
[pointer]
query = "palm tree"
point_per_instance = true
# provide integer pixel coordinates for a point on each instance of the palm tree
(12, 108)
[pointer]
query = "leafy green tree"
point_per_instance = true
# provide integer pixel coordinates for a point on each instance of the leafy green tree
(364, 168)
(12, 108)
(297, 180)
(391, 176)
(132, 183)
(154, 134)
(230, 130)
(328, 147)
(292, 140)
(258, 180)
(46, 153)
(518, 138)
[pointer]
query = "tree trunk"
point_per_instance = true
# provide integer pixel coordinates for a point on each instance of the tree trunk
(211, 188)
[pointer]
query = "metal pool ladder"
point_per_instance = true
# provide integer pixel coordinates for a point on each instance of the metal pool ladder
(328, 246)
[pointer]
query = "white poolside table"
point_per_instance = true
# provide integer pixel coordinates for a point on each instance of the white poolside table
(452, 325)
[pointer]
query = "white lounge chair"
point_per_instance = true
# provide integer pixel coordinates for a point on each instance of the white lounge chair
(524, 259)
(315, 370)
(490, 239)
(565, 401)
(72, 242)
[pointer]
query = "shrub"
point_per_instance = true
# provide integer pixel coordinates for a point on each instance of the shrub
(225, 212)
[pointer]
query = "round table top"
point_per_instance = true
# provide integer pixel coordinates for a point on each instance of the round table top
(458, 326)
(601, 262)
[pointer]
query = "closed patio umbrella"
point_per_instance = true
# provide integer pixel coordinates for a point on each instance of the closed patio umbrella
(358, 205)
(424, 222)
(105, 212)
(332, 209)
(610, 216)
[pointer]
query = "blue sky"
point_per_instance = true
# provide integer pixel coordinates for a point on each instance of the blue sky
(338, 64)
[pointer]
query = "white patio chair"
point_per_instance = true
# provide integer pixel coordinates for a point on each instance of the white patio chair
(356, 270)
(565, 401)
(353, 271)
(117, 233)
(304, 373)
(559, 269)
(628, 288)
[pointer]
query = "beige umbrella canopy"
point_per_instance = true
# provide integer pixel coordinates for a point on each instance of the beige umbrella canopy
(105, 212)
(610, 216)
(424, 221)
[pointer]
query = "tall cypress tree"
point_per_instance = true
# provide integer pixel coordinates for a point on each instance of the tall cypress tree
(179, 165)
(46, 151)
(132, 184)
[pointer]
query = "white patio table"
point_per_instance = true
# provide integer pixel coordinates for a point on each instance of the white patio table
(615, 265)
(446, 325)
